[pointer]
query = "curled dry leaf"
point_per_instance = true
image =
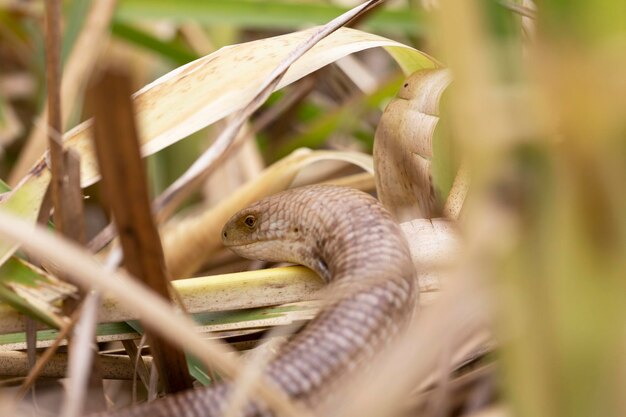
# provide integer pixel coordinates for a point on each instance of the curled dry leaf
(189, 243)
(226, 142)
(206, 90)
(403, 147)
(213, 87)
(209, 89)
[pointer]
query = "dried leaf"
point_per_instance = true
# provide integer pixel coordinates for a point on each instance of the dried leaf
(208, 89)
(403, 148)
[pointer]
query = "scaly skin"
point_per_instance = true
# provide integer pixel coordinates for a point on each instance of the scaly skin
(349, 239)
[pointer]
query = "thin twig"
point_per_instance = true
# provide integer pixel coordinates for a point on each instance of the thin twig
(82, 348)
(53, 84)
(43, 360)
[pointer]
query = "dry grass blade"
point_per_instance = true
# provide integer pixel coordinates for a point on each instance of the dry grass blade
(139, 366)
(364, 181)
(237, 72)
(155, 312)
(73, 211)
(224, 143)
(125, 183)
(54, 128)
(434, 243)
(460, 391)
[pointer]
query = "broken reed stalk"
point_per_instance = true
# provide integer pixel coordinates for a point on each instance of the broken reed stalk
(74, 228)
(125, 185)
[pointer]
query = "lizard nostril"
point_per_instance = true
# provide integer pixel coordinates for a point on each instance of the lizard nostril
(225, 235)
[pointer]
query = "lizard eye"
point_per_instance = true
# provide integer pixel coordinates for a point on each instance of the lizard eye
(250, 221)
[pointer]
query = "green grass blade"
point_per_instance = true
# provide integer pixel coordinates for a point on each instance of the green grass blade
(265, 14)
(169, 50)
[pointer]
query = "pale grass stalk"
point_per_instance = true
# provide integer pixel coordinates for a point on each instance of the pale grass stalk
(81, 359)
(154, 381)
(435, 245)
(197, 38)
(359, 74)
(314, 174)
(153, 311)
